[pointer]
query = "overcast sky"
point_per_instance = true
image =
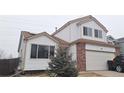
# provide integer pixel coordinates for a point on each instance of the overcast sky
(11, 26)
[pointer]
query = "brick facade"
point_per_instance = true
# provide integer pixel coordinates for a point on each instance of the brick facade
(81, 56)
(117, 51)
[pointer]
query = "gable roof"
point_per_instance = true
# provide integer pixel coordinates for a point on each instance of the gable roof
(41, 34)
(81, 21)
(28, 36)
(57, 40)
(120, 40)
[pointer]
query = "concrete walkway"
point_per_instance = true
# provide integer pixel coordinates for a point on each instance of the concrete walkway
(109, 73)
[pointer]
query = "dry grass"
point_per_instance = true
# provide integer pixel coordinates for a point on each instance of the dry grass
(88, 74)
(44, 74)
(35, 74)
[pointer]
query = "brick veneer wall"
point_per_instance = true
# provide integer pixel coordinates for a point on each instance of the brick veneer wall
(81, 56)
(117, 51)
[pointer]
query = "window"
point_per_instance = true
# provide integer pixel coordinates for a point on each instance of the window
(98, 33)
(87, 31)
(33, 51)
(42, 51)
(52, 50)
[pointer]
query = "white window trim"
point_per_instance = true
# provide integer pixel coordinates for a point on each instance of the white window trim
(98, 34)
(37, 51)
(88, 31)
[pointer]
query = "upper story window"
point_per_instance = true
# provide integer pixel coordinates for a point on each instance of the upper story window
(98, 33)
(87, 31)
(42, 51)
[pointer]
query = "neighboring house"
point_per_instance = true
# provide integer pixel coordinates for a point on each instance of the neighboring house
(110, 39)
(85, 38)
(120, 42)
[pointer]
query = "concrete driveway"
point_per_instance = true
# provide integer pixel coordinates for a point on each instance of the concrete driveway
(109, 73)
(100, 74)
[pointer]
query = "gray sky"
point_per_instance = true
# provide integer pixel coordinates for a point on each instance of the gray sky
(11, 26)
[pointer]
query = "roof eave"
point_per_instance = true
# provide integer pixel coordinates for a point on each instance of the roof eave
(42, 34)
(89, 17)
(94, 43)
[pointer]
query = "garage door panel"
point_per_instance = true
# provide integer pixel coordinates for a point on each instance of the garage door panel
(97, 60)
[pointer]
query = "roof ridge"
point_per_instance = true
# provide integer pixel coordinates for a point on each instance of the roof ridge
(79, 19)
(88, 16)
(72, 21)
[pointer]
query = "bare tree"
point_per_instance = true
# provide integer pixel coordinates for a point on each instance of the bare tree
(10, 56)
(2, 54)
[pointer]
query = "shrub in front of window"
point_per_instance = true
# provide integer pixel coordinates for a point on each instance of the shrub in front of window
(61, 64)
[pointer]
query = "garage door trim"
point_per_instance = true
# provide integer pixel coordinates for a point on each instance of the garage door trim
(97, 60)
(99, 51)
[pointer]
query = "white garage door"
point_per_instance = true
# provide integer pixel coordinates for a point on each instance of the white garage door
(97, 60)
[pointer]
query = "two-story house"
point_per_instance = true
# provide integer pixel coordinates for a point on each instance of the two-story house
(85, 38)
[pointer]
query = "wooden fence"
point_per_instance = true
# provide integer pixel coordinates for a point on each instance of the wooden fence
(8, 66)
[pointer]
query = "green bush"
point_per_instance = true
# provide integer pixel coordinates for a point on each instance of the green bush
(61, 64)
